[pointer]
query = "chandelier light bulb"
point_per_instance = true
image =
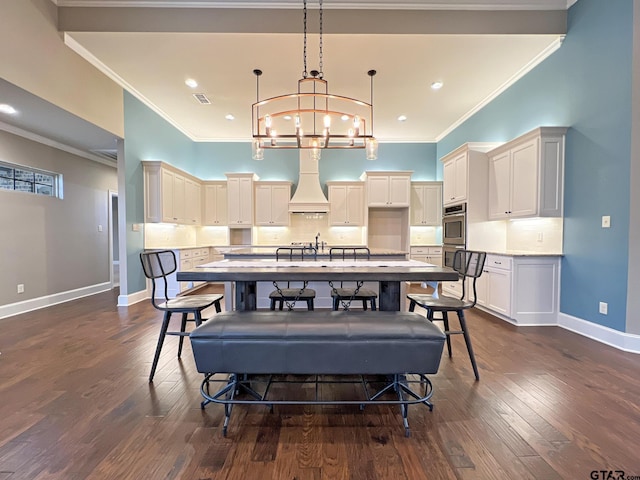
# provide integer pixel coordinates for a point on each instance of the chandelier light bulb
(327, 121)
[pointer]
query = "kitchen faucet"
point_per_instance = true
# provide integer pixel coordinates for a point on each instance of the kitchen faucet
(317, 237)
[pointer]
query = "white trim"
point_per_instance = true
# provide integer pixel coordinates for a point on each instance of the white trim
(93, 60)
(49, 300)
(127, 300)
(425, 5)
(52, 143)
(517, 76)
(627, 342)
(111, 194)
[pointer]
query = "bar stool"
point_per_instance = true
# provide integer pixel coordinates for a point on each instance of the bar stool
(468, 264)
(291, 294)
(159, 264)
(347, 294)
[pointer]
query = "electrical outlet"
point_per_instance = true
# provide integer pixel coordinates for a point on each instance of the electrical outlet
(99, 228)
(539, 236)
(604, 308)
(606, 221)
(21, 288)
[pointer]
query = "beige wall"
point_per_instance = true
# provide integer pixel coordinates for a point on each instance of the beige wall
(34, 57)
(53, 245)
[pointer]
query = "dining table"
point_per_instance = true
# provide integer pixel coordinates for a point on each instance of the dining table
(241, 277)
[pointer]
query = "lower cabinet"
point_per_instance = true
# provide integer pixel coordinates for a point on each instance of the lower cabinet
(186, 259)
(521, 289)
(432, 255)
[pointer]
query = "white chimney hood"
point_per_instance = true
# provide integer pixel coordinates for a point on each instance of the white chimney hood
(309, 197)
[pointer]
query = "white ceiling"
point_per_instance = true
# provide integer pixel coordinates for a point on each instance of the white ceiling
(152, 50)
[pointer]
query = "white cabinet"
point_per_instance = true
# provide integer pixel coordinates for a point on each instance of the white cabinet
(454, 173)
(346, 201)
(432, 255)
(240, 199)
(526, 175)
(494, 285)
(426, 203)
(272, 203)
(465, 179)
(170, 195)
(186, 259)
(192, 202)
(388, 189)
(215, 203)
(521, 289)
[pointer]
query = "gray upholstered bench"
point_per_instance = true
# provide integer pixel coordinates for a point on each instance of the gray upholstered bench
(247, 343)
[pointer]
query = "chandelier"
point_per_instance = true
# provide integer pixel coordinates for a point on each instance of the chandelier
(312, 118)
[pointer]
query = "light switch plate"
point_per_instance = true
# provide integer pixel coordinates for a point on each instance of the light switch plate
(606, 221)
(603, 308)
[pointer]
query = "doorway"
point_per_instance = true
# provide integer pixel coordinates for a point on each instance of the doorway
(114, 250)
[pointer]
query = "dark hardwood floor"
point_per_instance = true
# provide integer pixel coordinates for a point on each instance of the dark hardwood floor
(75, 403)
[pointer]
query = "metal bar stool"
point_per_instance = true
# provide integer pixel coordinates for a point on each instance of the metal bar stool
(346, 295)
(290, 294)
(159, 264)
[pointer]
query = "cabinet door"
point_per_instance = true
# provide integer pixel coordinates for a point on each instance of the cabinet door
(355, 205)
(524, 179)
(449, 182)
(263, 205)
(499, 291)
(280, 195)
(246, 201)
(167, 197)
(482, 285)
(378, 191)
(432, 205)
(418, 206)
(399, 191)
(215, 205)
(179, 191)
(233, 201)
(500, 186)
(460, 178)
(338, 199)
(193, 203)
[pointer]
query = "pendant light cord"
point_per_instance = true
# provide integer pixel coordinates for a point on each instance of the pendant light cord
(304, 50)
(320, 66)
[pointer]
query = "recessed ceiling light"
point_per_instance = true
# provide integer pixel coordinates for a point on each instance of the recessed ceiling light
(190, 82)
(228, 116)
(437, 85)
(402, 118)
(8, 109)
(287, 117)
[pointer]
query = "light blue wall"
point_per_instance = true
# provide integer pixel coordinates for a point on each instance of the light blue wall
(149, 137)
(585, 85)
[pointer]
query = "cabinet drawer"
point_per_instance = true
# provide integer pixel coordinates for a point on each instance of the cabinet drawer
(498, 261)
(426, 250)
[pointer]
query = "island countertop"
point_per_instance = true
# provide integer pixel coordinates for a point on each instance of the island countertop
(270, 252)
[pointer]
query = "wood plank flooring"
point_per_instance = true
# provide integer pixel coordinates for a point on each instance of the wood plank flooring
(75, 403)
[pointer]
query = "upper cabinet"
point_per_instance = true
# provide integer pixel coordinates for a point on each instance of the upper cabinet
(240, 199)
(388, 189)
(171, 195)
(465, 177)
(426, 203)
(272, 203)
(347, 203)
(192, 202)
(454, 173)
(526, 175)
(215, 203)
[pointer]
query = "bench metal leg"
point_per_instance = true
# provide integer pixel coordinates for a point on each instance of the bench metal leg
(183, 328)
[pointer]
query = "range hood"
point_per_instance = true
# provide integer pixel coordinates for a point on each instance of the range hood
(309, 197)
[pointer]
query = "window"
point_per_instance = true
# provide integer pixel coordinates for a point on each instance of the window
(31, 180)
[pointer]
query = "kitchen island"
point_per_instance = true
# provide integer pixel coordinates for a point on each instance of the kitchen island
(269, 252)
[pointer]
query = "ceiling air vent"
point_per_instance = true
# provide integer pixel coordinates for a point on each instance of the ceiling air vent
(202, 98)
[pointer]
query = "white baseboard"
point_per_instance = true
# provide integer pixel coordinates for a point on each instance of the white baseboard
(49, 300)
(126, 300)
(620, 340)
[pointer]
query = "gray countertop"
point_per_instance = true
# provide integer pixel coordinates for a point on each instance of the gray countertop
(242, 253)
(522, 253)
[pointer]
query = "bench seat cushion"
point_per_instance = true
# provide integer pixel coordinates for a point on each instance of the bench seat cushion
(317, 342)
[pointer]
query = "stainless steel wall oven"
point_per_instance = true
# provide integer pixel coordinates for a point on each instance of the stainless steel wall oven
(454, 225)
